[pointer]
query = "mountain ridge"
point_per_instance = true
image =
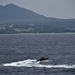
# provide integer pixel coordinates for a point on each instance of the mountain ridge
(15, 19)
(11, 13)
(14, 13)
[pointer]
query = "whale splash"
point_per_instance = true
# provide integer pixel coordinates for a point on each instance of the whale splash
(35, 63)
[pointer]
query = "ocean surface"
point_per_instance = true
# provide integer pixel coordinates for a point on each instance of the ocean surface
(19, 54)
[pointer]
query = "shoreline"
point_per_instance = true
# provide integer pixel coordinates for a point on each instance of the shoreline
(36, 33)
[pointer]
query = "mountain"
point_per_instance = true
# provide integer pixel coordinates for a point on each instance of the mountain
(15, 19)
(14, 13)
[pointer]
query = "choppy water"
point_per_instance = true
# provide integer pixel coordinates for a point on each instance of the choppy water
(19, 54)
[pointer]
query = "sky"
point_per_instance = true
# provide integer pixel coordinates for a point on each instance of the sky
(63, 9)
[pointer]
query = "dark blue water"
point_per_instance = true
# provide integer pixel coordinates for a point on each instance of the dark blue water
(60, 48)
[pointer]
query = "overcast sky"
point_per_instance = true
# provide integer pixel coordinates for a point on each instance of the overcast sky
(49, 8)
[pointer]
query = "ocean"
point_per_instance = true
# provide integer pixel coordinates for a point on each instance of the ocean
(19, 54)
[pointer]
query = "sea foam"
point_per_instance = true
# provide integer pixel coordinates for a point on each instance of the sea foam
(35, 63)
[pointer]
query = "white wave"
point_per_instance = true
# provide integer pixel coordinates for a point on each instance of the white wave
(34, 63)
